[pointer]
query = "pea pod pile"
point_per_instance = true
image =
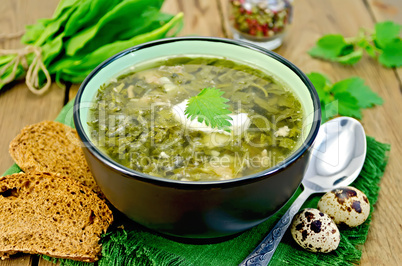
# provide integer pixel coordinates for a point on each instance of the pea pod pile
(83, 33)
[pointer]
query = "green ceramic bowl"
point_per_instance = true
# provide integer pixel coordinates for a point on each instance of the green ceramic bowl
(198, 209)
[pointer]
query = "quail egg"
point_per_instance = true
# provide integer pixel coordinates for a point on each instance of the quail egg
(315, 231)
(345, 205)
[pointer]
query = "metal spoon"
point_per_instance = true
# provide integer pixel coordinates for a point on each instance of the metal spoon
(336, 160)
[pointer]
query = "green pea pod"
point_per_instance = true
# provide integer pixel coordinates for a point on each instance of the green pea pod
(76, 70)
(88, 13)
(118, 20)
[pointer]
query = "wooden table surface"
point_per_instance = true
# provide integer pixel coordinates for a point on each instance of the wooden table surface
(312, 18)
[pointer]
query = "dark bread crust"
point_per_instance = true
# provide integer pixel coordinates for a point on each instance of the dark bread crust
(51, 146)
(51, 214)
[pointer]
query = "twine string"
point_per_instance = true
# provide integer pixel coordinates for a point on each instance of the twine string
(32, 70)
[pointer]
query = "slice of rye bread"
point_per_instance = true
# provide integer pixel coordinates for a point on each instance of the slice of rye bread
(51, 146)
(46, 213)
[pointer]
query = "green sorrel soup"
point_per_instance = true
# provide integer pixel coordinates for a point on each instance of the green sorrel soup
(139, 120)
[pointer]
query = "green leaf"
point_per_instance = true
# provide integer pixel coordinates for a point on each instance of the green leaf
(384, 44)
(371, 51)
(56, 25)
(75, 68)
(34, 31)
(319, 80)
(329, 110)
(63, 6)
(209, 107)
(370, 48)
(355, 86)
(131, 12)
(366, 97)
(391, 55)
(346, 97)
(349, 48)
(343, 85)
(348, 105)
(329, 46)
(321, 84)
(386, 32)
(87, 14)
(351, 58)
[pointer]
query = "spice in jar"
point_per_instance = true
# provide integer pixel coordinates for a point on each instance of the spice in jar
(259, 19)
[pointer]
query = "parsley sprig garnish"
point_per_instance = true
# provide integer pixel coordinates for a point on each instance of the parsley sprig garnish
(384, 45)
(346, 97)
(210, 107)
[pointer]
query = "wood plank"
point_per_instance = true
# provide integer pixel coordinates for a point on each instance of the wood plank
(201, 17)
(386, 10)
(18, 106)
(73, 91)
(18, 260)
(312, 19)
(223, 7)
(384, 237)
(383, 10)
(43, 262)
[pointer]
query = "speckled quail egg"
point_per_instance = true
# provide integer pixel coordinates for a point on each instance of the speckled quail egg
(345, 205)
(315, 231)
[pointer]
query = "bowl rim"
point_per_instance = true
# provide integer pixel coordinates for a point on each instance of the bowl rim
(307, 143)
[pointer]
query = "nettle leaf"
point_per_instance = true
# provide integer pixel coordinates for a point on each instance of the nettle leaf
(321, 84)
(350, 59)
(319, 80)
(384, 44)
(346, 97)
(329, 46)
(347, 49)
(369, 47)
(348, 105)
(209, 107)
(355, 86)
(371, 51)
(344, 85)
(391, 55)
(386, 32)
(329, 111)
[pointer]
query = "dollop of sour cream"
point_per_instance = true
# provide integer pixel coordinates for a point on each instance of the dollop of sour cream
(240, 123)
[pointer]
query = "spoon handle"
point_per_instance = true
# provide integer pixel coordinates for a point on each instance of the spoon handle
(263, 253)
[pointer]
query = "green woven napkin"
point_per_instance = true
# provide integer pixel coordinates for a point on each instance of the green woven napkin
(128, 243)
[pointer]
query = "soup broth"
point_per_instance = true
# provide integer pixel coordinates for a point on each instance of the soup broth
(138, 120)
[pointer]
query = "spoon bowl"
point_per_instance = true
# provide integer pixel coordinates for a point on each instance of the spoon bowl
(338, 155)
(337, 158)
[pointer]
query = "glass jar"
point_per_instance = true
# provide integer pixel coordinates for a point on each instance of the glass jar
(262, 22)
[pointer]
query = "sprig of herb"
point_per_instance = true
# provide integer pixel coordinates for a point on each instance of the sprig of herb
(210, 107)
(346, 97)
(384, 44)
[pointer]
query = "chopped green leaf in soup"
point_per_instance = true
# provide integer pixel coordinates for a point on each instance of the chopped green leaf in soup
(196, 119)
